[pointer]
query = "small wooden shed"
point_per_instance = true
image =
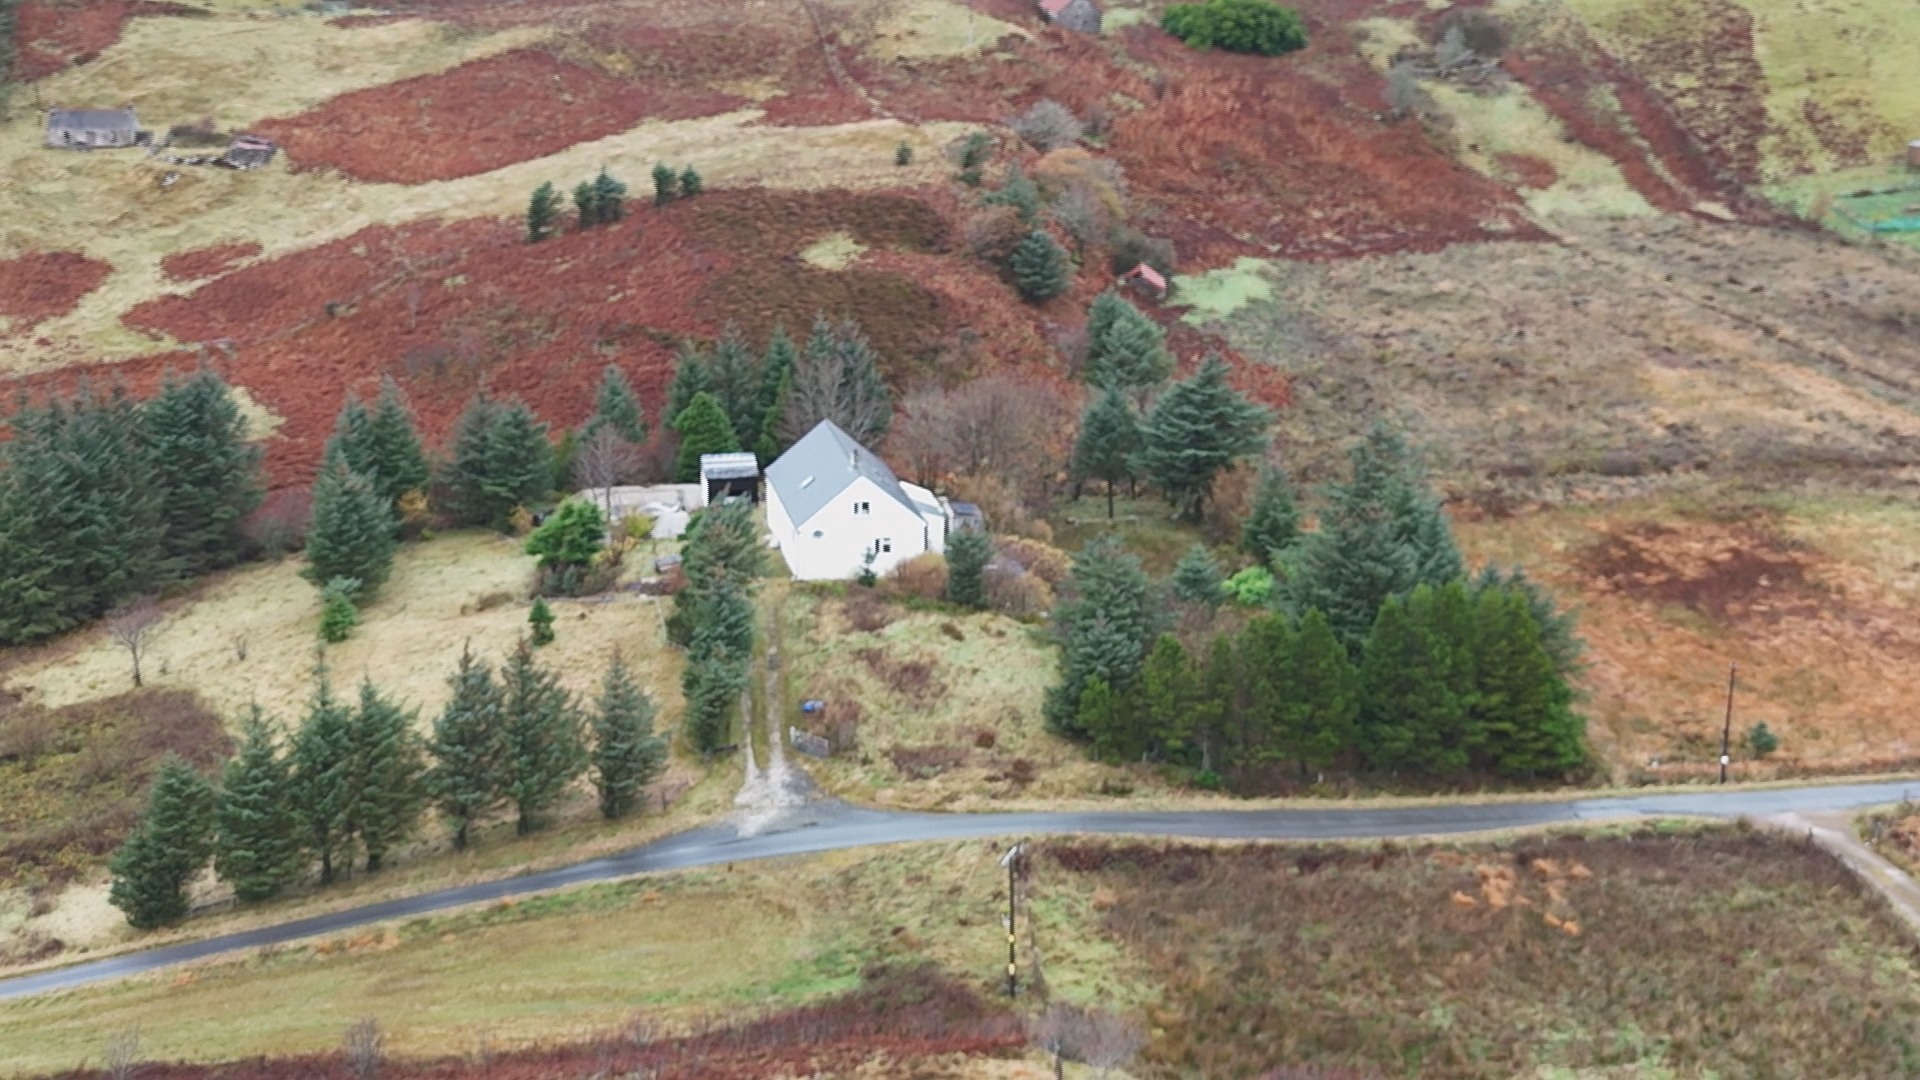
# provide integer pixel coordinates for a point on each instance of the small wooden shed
(1145, 279)
(87, 129)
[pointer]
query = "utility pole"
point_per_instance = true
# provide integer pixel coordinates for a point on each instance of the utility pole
(1011, 860)
(1726, 729)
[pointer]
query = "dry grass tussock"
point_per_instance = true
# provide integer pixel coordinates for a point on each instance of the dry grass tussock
(1732, 951)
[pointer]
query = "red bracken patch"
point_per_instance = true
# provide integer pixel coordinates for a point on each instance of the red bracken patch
(1529, 171)
(207, 262)
(44, 285)
(48, 37)
(477, 117)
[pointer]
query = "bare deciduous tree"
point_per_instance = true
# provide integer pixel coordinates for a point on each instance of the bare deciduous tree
(1101, 1038)
(1010, 425)
(1084, 215)
(134, 625)
(842, 384)
(1048, 125)
(364, 1047)
(122, 1054)
(1405, 96)
(603, 461)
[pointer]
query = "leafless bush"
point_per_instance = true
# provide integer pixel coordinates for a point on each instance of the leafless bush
(202, 132)
(134, 626)
(122, 1054)
(1081, 212)
(1453, 50)
(605, 459)
(843, 724)
(239, 644)
(1405, 96)
(280, 525)
(1482, 34)
(364, 1047)
(1016, 592)
(867, 612)
(1098, 121)
(1048, 125)
(993, 232)
(923, 576)
(27, 734)
(1098, 1037)
(925, 762)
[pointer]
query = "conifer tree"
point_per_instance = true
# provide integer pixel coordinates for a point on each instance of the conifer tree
(1318, 714)
(586, 206)
(1166, 698)
(769, 445)
(206, 473)
(666, 184)
(627, 755)
(968, 553)
(691, 376)
(1107, 308)
(1273, 521)
(501, 460)
(719, 657)
(734, 380)
(721, 545)
(256, 842)
(570, 538)
(617, 407)
(1376, 538)
(542, 738)
(397, 461)
(352, 532)
(1130, 351)
(468, 749)
(349, 445)
(609, 199)
(1019, 192)
(324, 787)
(542, 209)
(703, 429)
(1104, 629)
(152, 870)
(1198, 429)
(1041, 268)
(1104, 717)
(1219, 700)
(540, 623)
(690, 183)
(1558, 626)
(389, 775)
(1523, 719)
(338, 613)
(1411, 709)
(1108, 443)
(1196, 578)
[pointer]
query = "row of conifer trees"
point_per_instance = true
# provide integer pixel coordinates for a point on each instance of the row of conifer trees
(354, 782)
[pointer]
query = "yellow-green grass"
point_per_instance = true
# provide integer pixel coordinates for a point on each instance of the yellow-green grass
(932, 29)
(1219, 293)
(730, 940)
(1858, 63)
(1588, 183)
(835, 251)
(1146, 525)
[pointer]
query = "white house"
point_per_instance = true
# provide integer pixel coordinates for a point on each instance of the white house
(830, 502)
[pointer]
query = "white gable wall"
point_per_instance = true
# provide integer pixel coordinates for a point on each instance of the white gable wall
(833, 544)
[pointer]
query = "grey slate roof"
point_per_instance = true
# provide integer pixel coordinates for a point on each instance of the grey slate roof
(93, 119)
(822, 465)
(734, 466)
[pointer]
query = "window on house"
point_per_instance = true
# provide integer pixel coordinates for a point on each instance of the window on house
(862, 508)
(883, 545)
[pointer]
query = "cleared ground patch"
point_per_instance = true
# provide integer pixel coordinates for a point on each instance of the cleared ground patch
(1649, 953)
(917, 29)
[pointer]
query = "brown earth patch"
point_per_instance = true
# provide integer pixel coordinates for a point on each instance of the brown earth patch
(44, 285)
(477, 117)
(1528, 171)
(51, 36)
(1735, 572)
(207, 262)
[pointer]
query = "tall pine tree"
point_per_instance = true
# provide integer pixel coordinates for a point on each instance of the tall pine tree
(152, 870)
(1041, 268)
(389, 775)
(1522, 708)
(397, 461)
(1196, 578)
(542, 209)
(1273, 521)
(1318, 715)
(324, 786)
(616, 406)
(704, 429)
(1130, 351)
(1167, 691)
(1104, 629)
(1108, 443)
(1197, 429)
(206, 473)
(734, 381)
(352, 532)
(627, 755)
(541, 735)
(719, 659)
(968, 553)
(256, 844)
(469, 751)
(501, 461)
(776, 384)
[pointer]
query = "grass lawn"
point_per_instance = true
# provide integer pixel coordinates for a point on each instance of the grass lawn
(727, 941)
(1146, 524)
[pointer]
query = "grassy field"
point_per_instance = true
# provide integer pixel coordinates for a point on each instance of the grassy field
(460, 590)
(1673, 951)
(1684, 953)
(561, 967)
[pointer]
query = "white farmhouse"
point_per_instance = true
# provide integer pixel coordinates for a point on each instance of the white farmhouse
(830, 502)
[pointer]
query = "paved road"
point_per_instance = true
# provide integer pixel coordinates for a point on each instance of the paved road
(830, 826)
